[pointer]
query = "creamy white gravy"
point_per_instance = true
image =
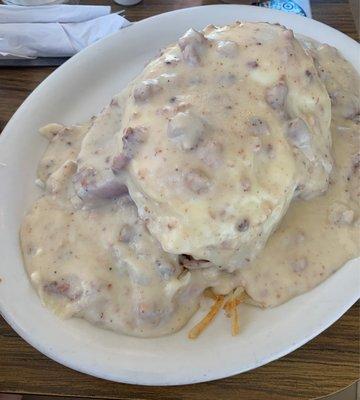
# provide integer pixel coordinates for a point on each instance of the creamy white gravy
(229, 135)
(89, 255)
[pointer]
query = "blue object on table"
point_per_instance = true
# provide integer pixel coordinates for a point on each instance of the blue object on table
(282, 5)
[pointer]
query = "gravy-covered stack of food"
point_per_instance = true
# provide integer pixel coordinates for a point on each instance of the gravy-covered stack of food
(227, 168)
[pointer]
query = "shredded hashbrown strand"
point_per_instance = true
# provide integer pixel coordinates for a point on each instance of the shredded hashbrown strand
(202, 325)
(229, 304)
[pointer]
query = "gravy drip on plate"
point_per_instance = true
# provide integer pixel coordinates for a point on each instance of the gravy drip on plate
(89, 255)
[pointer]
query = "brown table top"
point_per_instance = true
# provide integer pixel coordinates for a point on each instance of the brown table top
(328, 363)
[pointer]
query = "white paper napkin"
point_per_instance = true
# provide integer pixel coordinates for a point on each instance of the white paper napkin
(53, 13)
(56, 39)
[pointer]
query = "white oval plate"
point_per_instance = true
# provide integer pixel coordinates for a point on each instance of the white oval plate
(73, 93)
